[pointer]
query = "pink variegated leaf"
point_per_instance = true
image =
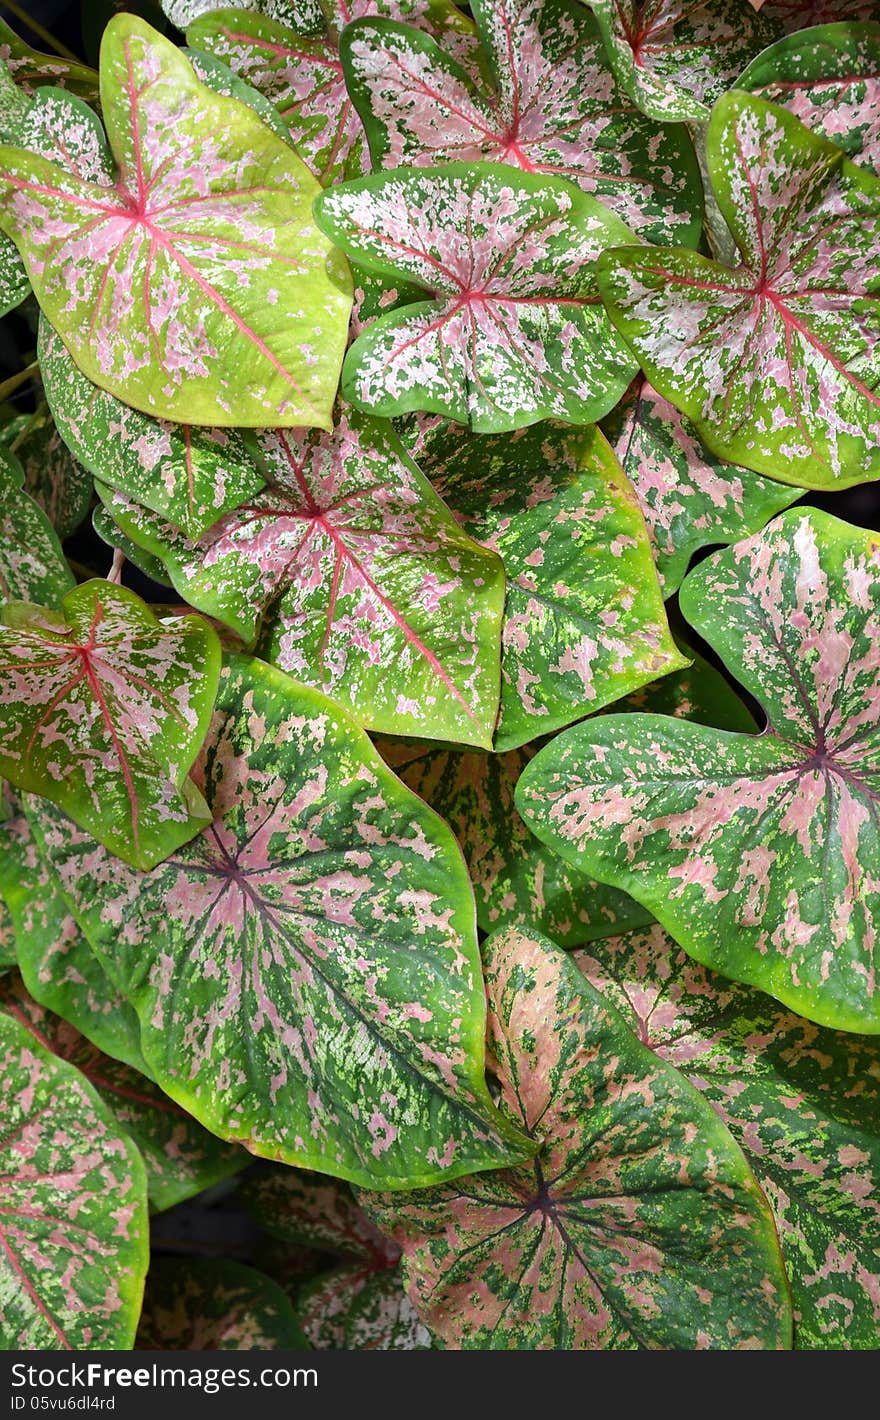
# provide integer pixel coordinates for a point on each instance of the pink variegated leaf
(775, 361)
(300, 70)
(32, 70)
(305, 972)
(688, 497)
(356, 579)
(212, 1304)
(196, 285)
(103, 709)
(555, 107)
(801, 1101)
(32, 565)
(310, 1210)
(638, 1224)
(802, 14)
(676, 57)
(511, 330)
(759, 854)
(352, 1309)
(829, 77)
(74, 1238)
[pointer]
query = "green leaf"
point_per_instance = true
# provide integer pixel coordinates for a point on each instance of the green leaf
(53, 478)
(584, 621)
(553, 108)
(639, 1223)
(356, 579)
(197, 286)
(688, 497)
(513, 331)
(73, 1224)
(799, 14)
(674, 57)
(181, 1159)
(774, 361)
(802, 1103)
(103, 710)
(111, 533)
(31, 69)
(211, 1304)
(350, 1309)
(305, 972)
(313, 1211)
(32, 565)
(219, 77)
(829, 78)
(759, 854)
(305, 15)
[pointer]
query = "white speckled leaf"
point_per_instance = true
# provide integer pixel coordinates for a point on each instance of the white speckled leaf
(688, 497)
(355, 577)
(212, 1304)
(74, 1240)
(759, 854)
(103, 709)
(32, 565)
(637, 1225)
(801, 1101)
(32, 70)
(111, 533)
(302, 15)
(52, 476)
(305, 972)
(776, 360)
(675, 57)
(829, 77)
(801, 14)
(554, 107)
(196, 287)
(514, 331)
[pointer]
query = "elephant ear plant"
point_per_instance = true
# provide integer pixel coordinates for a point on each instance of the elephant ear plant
(440, 678)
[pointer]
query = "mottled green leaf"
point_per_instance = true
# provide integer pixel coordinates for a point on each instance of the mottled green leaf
(111, 533)
(211, 1304)
(687, 496)
(639, 1223)
(73, 1208)
(801, 1101)
(31, 69)
(511, 330)
(52, 476)
(759, 854)
(775, 361)
(196, 287)
(801, 14)
(103, 709)
(305, 972)
(305, 15)
(32, 565)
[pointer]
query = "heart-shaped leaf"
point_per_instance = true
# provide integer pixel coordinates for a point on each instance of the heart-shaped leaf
(675, 57)
(103, 710)
(513, 332)
(305, 972)
(32, 565)
(584, 621)
(801, 1101)
(829, 77)
(190, 476)
(760, 854)
(300, 70)
(53, 478)
(73, 1208)
(638, 1224)
(31, 69)
(211, 1304)
(801, 14)
(555, 108)
(687, 496)
(180, 1157)
(196, 286)
(357, 577)
(775, 361)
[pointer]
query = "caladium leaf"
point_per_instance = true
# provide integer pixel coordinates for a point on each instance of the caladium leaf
(32, 565)
(775, 361)
(103, 709)
(584, 621)
(352, 1309)
(211, 1304)
(517, 879)
(190, 476)
(829, 77)
(219, 77)
(305, 15)
(675, 57)
(305, 972)
(802, 14)
(555, 108)
(111, 533)
(760, 854)
(357, 578)
(512, 332)
(31, 70)
(638, 1224)
(52, 476)
(195, 286)
(688, 497)
(73, 1208)
(312, 1211)
(801, 1102)
(299, 68)
(181, 1158)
